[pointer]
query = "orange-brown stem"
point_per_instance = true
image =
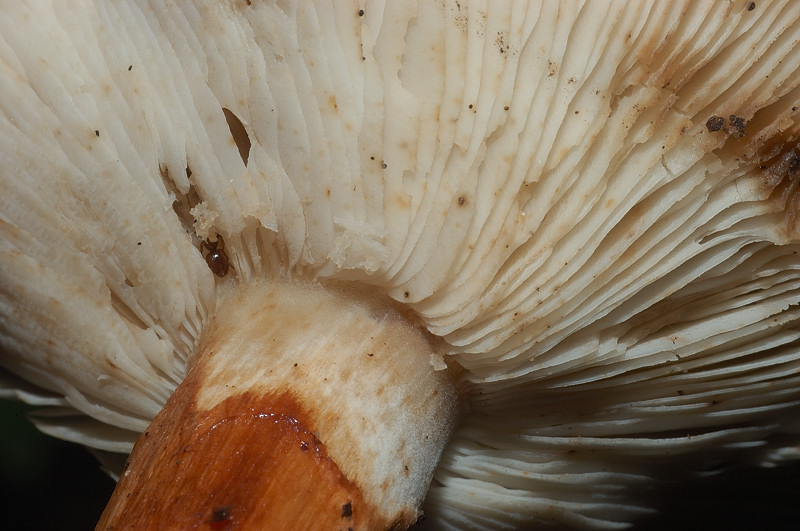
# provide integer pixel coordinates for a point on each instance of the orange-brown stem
(251, 462)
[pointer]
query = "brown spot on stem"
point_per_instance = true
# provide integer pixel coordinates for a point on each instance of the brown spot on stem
(220, 514)
(347, 510)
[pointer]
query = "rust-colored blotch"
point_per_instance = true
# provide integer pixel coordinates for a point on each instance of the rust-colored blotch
(251, 462)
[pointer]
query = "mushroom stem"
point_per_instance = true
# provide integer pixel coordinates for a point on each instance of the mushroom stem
(304, 408)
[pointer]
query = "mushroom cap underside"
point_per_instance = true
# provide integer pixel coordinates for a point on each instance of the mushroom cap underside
(592, 205)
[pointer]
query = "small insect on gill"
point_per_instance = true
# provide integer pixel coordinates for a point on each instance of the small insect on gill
(216, 257)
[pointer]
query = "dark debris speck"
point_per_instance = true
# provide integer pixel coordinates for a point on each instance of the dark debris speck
(347, 510)
(220, 514)
(715, 123)
(736, 125)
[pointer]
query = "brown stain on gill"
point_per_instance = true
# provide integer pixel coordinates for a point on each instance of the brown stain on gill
(769, 144)
(250, 462)
(782, 173)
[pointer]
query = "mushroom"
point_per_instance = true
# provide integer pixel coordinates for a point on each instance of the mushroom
(341, 265)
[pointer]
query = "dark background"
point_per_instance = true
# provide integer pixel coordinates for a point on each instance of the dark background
(47, 484)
